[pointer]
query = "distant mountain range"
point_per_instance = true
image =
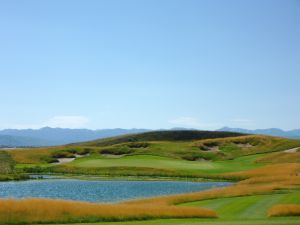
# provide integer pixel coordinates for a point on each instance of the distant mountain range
(58, 136)
(295, 134)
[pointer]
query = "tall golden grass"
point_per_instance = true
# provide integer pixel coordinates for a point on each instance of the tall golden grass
(286, 179)
(280, 157)
(47, 211)
(284, 210)
(281, 169)
(34, 155)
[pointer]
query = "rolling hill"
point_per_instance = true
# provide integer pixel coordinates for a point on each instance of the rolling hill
(295, 134)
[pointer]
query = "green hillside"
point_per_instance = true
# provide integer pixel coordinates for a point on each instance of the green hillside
(176, 135)
(194, 154)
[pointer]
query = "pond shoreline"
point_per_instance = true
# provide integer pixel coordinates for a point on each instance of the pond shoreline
(124, 178)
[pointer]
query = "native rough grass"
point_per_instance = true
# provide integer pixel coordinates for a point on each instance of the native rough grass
(48, 211)
(284, 210)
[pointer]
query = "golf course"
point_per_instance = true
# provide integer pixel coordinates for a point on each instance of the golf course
(262, 174)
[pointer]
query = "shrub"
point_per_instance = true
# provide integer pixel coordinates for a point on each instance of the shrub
(138, 145)
(63, 154)
(120, 150)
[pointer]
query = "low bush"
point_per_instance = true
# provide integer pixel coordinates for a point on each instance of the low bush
(116, 150)
(63, 154)
(138, 145)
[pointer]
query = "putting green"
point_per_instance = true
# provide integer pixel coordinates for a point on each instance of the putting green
(144, 161)
(159, 162)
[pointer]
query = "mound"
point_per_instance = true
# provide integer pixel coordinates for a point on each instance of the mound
(178, 135)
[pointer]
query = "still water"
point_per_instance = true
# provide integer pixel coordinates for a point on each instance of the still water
(99, 191)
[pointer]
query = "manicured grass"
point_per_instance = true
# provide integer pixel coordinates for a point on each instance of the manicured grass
(147, 166)
(158, 162)
(144, 161)
(269, 221)
(248, 207)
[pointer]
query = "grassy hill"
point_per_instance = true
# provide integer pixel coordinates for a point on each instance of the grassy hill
(176, 135)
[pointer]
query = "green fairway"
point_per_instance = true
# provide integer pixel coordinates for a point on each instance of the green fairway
(249, 207)
(144, 161)
(273, 221)
(158, 162)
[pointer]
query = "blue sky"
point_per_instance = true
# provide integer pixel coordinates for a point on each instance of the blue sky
(150, 64)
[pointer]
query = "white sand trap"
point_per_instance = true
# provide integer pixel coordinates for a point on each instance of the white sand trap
(247, 145)
(64, 160)
(292, 150)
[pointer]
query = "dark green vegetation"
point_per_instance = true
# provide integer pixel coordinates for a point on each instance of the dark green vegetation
(7, 168)
(187, 135)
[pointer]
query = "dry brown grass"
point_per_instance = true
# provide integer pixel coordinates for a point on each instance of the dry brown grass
(271, 179)
(282, 169)
(250, 144)
(47, 211)
(284, 210)
(288, 179)
(32, 155)
(281, 157)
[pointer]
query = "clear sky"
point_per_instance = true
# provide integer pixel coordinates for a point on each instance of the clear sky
(150, 64)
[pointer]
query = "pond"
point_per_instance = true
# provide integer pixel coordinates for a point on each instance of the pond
(99, 191)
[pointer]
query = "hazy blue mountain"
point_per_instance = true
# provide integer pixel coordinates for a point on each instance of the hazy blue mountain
(270, 131)
(17, 141)
(57, 136)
